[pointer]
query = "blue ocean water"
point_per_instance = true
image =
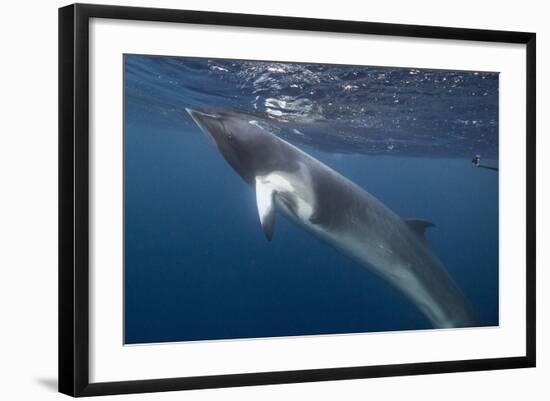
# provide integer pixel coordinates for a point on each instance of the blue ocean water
(197, 265)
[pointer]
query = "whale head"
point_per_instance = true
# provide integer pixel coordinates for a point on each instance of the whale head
(248, 148)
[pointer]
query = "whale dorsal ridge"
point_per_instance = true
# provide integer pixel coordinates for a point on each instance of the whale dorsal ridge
(266, 207)
(419, 226)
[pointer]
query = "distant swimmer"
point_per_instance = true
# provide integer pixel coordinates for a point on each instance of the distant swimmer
(476, 162)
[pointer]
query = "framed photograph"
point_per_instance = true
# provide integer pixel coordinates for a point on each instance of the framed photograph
(250, 199)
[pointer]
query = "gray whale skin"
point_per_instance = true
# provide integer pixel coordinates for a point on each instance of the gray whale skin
(333, 208)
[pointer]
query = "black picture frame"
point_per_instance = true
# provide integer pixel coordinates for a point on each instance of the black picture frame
(74, 198)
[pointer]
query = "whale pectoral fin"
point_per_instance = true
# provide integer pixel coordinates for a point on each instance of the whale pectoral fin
(266, 207)
(419, 226)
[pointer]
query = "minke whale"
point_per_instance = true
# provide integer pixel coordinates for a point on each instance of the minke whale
(333, 208)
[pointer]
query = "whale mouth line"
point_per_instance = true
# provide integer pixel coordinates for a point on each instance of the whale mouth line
(198, 117)
(194, 112)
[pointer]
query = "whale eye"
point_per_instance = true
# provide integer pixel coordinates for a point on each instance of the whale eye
(230, 136)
